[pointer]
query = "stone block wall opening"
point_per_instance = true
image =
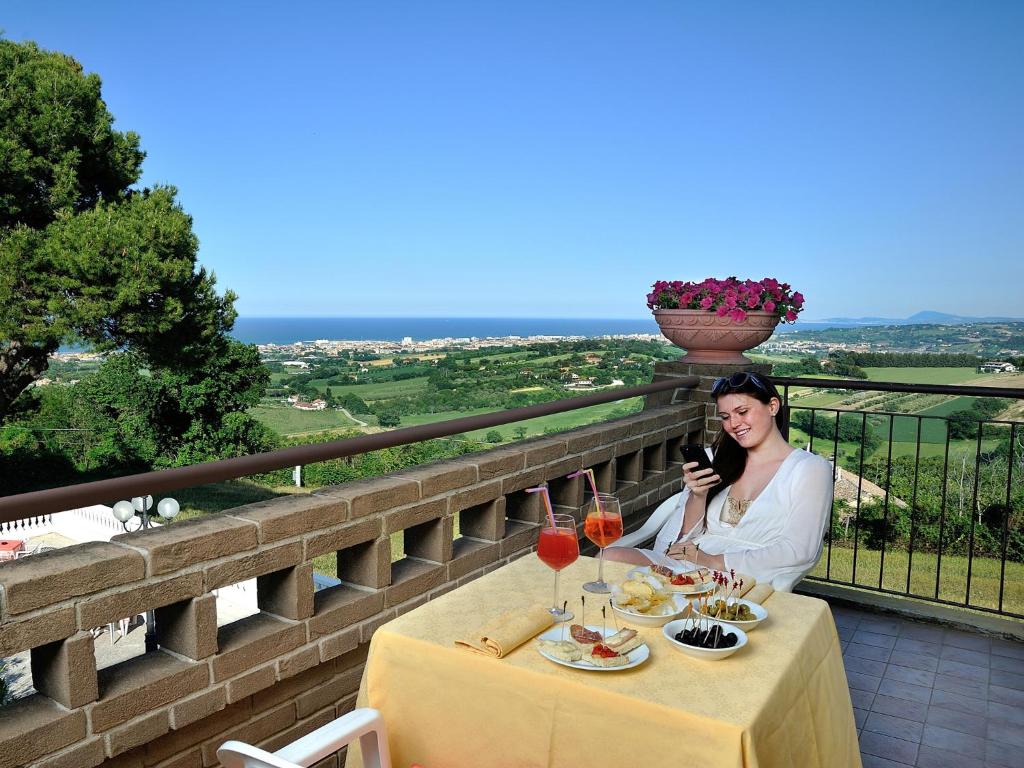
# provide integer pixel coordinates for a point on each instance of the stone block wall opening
(654, 459)
(628, 470)
(121, 639)
(236, 601)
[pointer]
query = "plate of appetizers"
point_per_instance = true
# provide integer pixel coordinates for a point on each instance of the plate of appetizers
(590, 649)
(687, 582)
(742, 613)
(643, 601)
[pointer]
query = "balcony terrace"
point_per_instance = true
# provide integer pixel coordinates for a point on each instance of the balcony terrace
(932, 683)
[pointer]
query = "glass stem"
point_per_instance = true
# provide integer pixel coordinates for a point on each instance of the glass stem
(600, 566)
(554, 600)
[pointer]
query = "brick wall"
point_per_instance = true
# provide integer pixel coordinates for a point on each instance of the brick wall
(274, 676)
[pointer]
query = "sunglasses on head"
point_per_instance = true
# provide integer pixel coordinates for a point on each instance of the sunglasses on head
(738, 381)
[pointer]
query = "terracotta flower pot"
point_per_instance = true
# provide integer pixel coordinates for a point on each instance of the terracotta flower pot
(708, 338)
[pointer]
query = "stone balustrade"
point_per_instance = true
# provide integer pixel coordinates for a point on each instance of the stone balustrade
(296, 664)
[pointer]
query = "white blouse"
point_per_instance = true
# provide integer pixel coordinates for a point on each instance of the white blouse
(779, 539)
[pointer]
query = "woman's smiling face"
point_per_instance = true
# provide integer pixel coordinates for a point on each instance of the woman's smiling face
(746, 419)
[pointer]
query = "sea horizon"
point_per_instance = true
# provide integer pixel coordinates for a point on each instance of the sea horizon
(283, 329)
(290, 330)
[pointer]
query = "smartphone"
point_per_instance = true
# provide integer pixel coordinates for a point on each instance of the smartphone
(696, 453)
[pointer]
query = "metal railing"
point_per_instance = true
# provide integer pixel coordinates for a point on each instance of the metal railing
(923, 525)
(44, 502)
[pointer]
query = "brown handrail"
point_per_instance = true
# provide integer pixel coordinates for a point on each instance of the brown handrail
(966, 390)
(69, 497)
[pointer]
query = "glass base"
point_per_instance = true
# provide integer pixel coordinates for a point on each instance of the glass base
(601, 587)
(560, 615)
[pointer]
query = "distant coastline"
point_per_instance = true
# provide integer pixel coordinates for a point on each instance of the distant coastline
(289, 330)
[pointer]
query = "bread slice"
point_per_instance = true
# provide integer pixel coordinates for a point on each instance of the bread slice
(611, 661)
(624, 641)
(564, 650)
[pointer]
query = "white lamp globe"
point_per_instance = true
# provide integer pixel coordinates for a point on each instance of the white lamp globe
(124, 511)
(168, 508)
(142, 503)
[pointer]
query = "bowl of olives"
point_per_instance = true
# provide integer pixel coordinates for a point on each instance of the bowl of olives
(739, 612)
(704, 639)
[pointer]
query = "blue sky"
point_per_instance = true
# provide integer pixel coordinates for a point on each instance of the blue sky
(547, 159)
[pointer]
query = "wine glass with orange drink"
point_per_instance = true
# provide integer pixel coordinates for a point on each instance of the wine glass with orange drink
(603, 526)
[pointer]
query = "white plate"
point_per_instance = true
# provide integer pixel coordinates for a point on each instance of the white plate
(636, 657)
(653, 620)
(645, 571)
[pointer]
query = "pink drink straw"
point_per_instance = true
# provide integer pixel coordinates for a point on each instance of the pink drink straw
(593, 486)
(543, 491)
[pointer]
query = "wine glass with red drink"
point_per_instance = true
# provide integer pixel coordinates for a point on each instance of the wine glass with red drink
(603, 526)
(557, 547)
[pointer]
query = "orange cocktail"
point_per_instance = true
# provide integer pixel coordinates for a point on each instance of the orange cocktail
(603, 526)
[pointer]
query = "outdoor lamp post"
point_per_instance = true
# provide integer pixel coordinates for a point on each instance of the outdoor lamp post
(126, 510)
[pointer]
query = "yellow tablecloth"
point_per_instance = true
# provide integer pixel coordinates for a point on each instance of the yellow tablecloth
(781, 701)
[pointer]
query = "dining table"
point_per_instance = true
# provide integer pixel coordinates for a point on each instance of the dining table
(780, 701)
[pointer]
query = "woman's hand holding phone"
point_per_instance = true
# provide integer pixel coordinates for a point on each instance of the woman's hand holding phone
(698, 475)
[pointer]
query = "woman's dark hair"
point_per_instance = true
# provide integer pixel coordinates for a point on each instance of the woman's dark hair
(731, 457)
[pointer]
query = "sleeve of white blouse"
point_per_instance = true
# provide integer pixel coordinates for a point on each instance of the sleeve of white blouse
(799, 546)
(670, 529)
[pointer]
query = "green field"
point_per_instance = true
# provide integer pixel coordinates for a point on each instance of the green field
(217, 497)
(286, 420)
(933, 430)
(800, 439)
(952, 584)
(926, 375)
(563, 421)
(560, 421)
(384, 390)
(415, 419)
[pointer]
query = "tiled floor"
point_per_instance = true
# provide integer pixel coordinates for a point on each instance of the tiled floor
(932, 697)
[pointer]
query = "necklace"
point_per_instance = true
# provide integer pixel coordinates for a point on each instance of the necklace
(734, 511)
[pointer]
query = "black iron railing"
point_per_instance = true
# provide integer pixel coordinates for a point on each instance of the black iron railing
(908, 536)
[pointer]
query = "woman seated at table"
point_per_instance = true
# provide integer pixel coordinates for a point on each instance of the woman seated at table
(760, 510)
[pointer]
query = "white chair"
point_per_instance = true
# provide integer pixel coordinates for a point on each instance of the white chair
(650, 529)
(366, 724)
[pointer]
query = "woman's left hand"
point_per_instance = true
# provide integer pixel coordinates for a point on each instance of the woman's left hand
(687, 550)
(683, 550)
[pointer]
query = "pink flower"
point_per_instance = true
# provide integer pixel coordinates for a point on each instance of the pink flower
(730, 297)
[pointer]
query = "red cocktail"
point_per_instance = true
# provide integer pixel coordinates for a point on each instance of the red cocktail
(557, 547)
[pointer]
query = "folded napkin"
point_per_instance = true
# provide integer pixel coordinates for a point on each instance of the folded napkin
(749, 582)
(760, 593)
(508, 631)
